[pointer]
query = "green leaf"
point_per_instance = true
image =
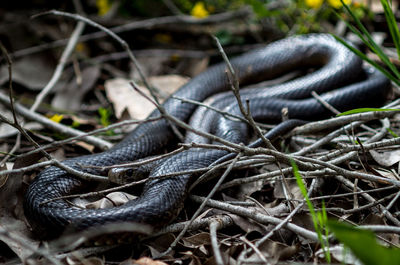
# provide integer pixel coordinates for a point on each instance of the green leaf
(362, 110)
(259, 8)
(105, 115)
(364, 245)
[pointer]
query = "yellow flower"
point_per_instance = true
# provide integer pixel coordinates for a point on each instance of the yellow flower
(57, 117)
(199, 10)
(103, 6)
(338, 3)
(314, 3)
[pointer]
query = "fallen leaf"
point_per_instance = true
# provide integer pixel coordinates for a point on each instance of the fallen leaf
(386, 174)
(197, 239)
(287, 189)
(273, 251)
(123, 97)
(147, 261)
(11, 209)
(70, 97)
(341, 254)
(160, 244)
(70, 260)
(386, 158)
(33, 72)
(111, 200)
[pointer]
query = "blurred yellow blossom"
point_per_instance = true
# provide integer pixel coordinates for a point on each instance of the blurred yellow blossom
(80, 47)
(57, 117)
(199, 10)
(314, 3)
(338, 3)
(103, 6)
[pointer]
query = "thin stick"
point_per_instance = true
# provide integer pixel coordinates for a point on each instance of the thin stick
(257, 216)
(146, 23)
(60, 66)
(214, 226)
(235, 88)
(26, 113)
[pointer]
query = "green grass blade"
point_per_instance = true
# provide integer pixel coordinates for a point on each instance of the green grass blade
(361, 110)
(364, 57)
(392, 133)
(392, 24)
(370, 42)
(318, 225)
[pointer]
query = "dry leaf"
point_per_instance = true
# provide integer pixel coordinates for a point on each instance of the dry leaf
(83, 261)
(70, 97)
(85, 145)
(17, 229)
(341, 254)
(11, 207)
(167, 84)
(146, 261)
(111, 200)
(197, 239)
(160, 244)
(386, 158)
(123, 97)
(273, 252)
(386, 174)
(247, 224)
(33, 72)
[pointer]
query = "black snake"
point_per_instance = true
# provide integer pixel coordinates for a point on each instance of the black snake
(339, 78)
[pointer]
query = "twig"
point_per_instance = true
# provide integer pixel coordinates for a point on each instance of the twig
(340, 121)
(224, 221)
(27, 168)
(22, 131)
(360, 208)
(223, 113)
(282, 223)
(171, 6)
(96, 193)
(256, 216)
(382, 228)
(160, 107)
(214, 226)
(346, 151)
(68, 169)
(83, 135)
(122, 42)
(235, 88)
(392, 202)
(10, 89)
(60, 66)
(147, 23)
(26, 113)
(255, 249)
(369, 198)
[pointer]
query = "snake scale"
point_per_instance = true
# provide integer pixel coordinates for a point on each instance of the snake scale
(338, 77)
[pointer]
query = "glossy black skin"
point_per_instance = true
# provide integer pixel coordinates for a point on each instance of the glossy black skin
(162, 200)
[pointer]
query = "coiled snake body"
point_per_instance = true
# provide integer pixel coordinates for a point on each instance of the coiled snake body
(162, 199)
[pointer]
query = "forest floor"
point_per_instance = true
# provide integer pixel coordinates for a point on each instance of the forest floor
(72, 78)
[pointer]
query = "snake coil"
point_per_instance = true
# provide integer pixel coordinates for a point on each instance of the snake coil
(339, 78)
